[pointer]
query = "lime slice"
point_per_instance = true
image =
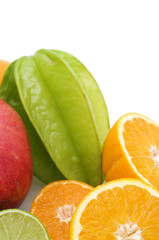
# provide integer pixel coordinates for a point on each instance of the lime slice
(16, 224)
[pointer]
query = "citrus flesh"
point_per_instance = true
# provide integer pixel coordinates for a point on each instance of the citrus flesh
(19, 225)
(132, 150)
(55, 204)
(3, 67)
(125, 209)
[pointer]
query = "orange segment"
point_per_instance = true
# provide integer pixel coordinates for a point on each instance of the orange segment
(55, 204)
(3, 67)
(132, 150)
(118, 210)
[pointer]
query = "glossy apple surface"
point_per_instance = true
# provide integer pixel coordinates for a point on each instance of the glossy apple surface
(16, 167)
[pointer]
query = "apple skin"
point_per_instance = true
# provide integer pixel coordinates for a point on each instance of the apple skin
(16, 165)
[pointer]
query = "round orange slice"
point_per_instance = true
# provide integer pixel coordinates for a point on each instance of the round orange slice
(131, 150)
(125, 209)
(55, 204)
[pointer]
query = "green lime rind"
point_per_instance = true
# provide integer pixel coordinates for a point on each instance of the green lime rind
(44, 168)
(17, 224)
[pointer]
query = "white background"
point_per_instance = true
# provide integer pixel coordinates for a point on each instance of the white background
(118, 41)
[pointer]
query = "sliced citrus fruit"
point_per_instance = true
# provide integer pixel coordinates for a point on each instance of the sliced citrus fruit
(55, 204)
(3, 67)
(16, 224)
(125, 209)
(132, 150)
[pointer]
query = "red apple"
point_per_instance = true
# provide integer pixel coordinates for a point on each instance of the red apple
(16, 167)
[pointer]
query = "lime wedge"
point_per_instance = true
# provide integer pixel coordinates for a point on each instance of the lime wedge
(16, 224)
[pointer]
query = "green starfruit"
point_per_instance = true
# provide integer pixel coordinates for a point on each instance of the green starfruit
(64, 112)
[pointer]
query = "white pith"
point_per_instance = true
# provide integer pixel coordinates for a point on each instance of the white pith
(128, 231)
(76, 226)
(121, 130)
(64, 213)
(155, 155)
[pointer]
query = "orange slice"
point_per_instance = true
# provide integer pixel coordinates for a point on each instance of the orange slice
(3, 67)
(131, 150)
(125, 209)
(55, 204)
